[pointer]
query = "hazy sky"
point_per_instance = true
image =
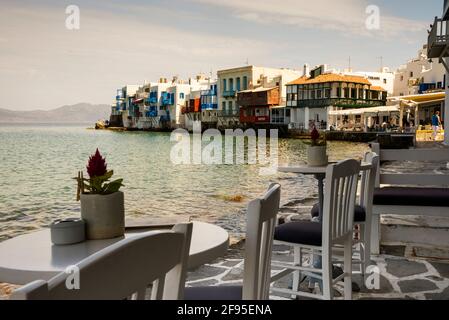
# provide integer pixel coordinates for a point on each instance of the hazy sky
(44, 65)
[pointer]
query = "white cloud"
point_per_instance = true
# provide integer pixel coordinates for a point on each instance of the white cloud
(344, 16)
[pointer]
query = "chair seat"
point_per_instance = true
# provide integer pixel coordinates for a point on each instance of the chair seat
(409, 196)
(301, 232)
(213, 293)
(359, 214)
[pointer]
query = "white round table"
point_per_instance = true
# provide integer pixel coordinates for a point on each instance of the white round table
(33, 257)
(320, 174)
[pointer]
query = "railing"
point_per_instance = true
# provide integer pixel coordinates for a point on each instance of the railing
(352, 103)
(229, 113)
(209, 106)
(229, 93)
(438, 39)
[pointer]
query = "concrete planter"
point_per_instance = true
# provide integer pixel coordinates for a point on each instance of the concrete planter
(104, 215)
(316, 156)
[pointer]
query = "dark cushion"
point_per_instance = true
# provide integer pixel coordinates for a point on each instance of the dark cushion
(213, 293)
(409, 196)
(359, 214)
(301, 232)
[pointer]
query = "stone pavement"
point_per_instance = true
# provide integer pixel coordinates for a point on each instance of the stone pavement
(400, 278)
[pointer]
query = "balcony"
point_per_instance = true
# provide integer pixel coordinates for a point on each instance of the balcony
(229, 113)
(266, 97)
(229, 94)
(254, 119)
(342, 103)
(438, 40)
(209, 106)
(167, 99)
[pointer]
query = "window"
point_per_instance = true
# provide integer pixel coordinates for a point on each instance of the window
(245, 83)
(327, 93)
(223, 105)
(147, 89)
(385, 81)
(181, 95)
(287, 112)
(238, 84)
(231, 84)
(411, 74)
(353, 93)
(402, 78)
(339, 92)
(225, 87)
(318, 94)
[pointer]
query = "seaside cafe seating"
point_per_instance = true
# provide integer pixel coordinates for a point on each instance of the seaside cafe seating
(362, 212)
(124, 270)
(261, 220)
(422, 194)
(320, 238)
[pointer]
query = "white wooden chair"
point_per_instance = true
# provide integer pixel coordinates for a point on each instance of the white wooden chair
(363, 212)
(261, 222)
(124, 270)
(320, 238)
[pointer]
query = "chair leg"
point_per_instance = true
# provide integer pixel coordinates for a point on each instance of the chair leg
(297, 260)
(327, 274)
(348, 269)
(375, 234)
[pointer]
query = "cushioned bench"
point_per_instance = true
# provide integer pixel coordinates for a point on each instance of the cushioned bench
(425, 194)
(408, 196)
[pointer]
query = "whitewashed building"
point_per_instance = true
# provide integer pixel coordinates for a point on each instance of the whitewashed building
(419, 75)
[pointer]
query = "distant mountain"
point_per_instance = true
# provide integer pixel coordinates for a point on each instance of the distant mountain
(78, 113)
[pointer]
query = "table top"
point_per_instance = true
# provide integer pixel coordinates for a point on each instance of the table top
(33, 257)
(305, 169)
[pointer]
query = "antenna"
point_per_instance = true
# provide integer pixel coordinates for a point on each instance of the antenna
(247, 61)
(349, 68)
(381, 63)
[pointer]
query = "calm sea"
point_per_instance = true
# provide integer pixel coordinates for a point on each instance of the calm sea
(38, 163)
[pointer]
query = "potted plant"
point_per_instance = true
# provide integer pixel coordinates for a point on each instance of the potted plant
(102, 204)
(316, 151)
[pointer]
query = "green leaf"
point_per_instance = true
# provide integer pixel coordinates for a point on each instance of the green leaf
(114, 186)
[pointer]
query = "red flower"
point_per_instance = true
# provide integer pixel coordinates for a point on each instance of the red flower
(96, 167)
(315, 135)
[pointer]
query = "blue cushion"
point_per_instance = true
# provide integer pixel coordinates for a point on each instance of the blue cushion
(213, 293)
(301, 232)
(359, 214)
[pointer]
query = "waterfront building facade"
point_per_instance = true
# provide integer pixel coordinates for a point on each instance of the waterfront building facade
(232, 81)
(383, 78)
(312, 97)
(419, 75)
(209, 106)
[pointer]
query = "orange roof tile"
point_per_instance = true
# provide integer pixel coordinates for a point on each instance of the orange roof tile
(331, 77)
(376, 88)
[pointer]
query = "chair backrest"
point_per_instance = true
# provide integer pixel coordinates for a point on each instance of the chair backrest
(123, 270)
(368, 180)
(261, 222)
(339, 201)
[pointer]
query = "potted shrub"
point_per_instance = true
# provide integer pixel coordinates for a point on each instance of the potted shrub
(316, 151)
(102, 204)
